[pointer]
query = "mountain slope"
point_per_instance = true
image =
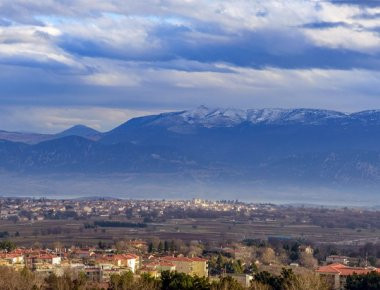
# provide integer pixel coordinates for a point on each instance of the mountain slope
(35, 138)
(29, 138)
(81, 131)
(268, 145)
(77, 154)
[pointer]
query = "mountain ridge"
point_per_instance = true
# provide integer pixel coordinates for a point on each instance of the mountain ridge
(210, 117)
(229, 117)
(267, 145)
(81, 131)
(35, 138)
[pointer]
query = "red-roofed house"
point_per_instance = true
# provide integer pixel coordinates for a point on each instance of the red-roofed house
(83, 253)
(190, 266)
(337, 259)
(11, 258)
(155, 268)
(129, 261)
(337, 273)
(33, 261)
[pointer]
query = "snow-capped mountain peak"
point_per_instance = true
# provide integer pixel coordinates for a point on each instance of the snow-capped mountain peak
(214, 117)
(183, 121)
(229, 117)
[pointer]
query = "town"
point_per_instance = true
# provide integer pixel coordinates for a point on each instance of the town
(103, 242)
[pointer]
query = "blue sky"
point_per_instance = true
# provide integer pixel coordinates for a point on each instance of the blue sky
(102, 62)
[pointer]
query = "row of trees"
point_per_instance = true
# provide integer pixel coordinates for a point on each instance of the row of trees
(220, 264)
(287, 280)
(370, 281)
(192, 248)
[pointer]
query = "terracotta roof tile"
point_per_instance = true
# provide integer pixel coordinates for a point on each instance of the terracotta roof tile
(345, 270)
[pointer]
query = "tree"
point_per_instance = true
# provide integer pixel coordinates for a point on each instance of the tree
(102, 245)
(82, 279)
(287, 280)
(175, 281)
(234, 267)
(308, 261)
(251, 268)
(179, 245)
(23, 280)
(268, 256)
(7, 245)
(57, 245)
(151, 248)
(217, 266)
(67, 281)
(160, 247)
(172, 246)
(122, 282)
(266, 278)
(259, 286)
(307, 280)
(147, 282)
(166, 246)
(370, 281)
(227, 283)
(120, 245)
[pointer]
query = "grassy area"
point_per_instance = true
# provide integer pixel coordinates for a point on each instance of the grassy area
(74, 232)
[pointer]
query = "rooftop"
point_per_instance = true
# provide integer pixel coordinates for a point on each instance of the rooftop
(345, 270)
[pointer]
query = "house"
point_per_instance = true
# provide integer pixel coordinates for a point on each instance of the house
(150, 271)
(337, 259)
(155, 268)
(162, 266)
(11, 258)
(50, 259)
(42, 260)
(85, 253)
(48, 269)
(105, 263)
(336, 274)
(138, 244)
(129, 261)
(243, 279)
(239, 253)
(190, 266)
(87, 209)
(93, 274)
(107, 273)
(306, 249)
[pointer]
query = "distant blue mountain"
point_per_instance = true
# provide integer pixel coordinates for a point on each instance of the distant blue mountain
(34, 138)
(80, 130)
(293, 145)
(29, 138)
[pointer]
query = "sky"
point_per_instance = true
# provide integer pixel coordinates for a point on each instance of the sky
(100, 63)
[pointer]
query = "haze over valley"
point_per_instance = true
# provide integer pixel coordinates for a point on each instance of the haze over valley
(291, 155)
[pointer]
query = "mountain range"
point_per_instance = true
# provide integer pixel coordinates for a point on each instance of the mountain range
(293, 146)
(34, 138)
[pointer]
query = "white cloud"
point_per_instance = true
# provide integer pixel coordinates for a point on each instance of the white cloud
(33, 44)
(53, 120)
(178, 53)
(346, 90)
(345, 38)
(124, 33)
